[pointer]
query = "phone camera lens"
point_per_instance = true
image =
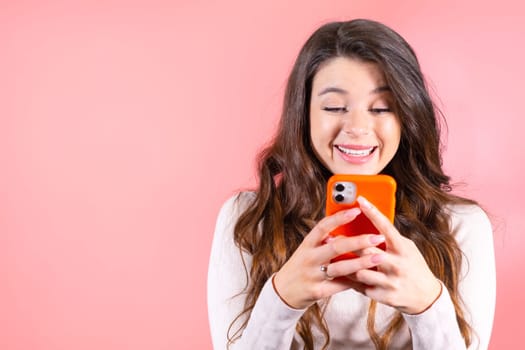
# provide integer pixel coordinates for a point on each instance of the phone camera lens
(339, 197)
(339, 187)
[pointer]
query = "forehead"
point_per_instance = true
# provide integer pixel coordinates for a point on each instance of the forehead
(347, 73)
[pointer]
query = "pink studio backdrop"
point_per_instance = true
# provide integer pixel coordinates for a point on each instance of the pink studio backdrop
(125, 125)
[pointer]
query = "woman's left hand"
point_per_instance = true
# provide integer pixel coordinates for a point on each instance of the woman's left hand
(403, 279)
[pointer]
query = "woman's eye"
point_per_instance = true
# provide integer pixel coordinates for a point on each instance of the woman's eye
(380, 110)
(335, 109)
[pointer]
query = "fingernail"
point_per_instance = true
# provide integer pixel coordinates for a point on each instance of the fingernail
(363, 202)
(352, 212)
(329, 239)
(376, 239)
(377, 258)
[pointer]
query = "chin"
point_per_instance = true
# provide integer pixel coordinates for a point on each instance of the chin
(355, 170)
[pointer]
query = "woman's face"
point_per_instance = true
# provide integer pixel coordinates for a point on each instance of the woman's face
(353, 127)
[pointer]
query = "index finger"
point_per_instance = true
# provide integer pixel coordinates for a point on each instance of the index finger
(330, 223)
(380, 221)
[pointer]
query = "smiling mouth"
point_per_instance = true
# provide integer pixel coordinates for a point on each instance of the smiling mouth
(356, 152)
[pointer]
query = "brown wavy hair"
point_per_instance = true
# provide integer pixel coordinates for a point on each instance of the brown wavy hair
(290, 196)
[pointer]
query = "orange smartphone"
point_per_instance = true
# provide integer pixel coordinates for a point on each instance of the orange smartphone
(342, 192)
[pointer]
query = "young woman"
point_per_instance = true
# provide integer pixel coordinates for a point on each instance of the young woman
(355, 103)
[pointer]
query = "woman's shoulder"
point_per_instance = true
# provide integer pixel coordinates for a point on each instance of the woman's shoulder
(461, 211)
(233, 207)
(468, 219)
(238, 202)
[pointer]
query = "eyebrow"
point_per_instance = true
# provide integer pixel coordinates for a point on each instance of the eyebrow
(380, 89)
(333, 89)
(337, 90)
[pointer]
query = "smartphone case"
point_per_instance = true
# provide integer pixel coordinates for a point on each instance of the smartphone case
(378, 189)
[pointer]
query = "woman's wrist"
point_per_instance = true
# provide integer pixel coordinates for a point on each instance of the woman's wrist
(278, 294)
(293, 304)
(438, 290)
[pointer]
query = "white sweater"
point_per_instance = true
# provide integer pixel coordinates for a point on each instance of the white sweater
(272, 323)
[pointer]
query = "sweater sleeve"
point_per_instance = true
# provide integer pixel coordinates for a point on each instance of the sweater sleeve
(271, 324)
(437, 327)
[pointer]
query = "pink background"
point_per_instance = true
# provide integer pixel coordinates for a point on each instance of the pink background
(125, 124)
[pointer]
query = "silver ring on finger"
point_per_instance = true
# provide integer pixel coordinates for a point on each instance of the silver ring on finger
(324, 269)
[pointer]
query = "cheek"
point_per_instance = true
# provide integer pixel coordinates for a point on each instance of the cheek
(323, 130)
(390, 131)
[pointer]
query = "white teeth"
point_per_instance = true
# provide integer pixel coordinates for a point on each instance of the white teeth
(356, 152)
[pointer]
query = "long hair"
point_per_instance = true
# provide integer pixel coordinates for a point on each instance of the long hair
(290, 196)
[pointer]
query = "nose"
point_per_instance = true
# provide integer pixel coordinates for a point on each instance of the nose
(357, 123)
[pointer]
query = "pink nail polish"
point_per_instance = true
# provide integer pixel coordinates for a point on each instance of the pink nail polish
(329, 239)
(363, 202)
(352, 212)
(377, 258)
(376, 239)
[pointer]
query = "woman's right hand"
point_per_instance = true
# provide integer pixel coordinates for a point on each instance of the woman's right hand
(301, 281)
